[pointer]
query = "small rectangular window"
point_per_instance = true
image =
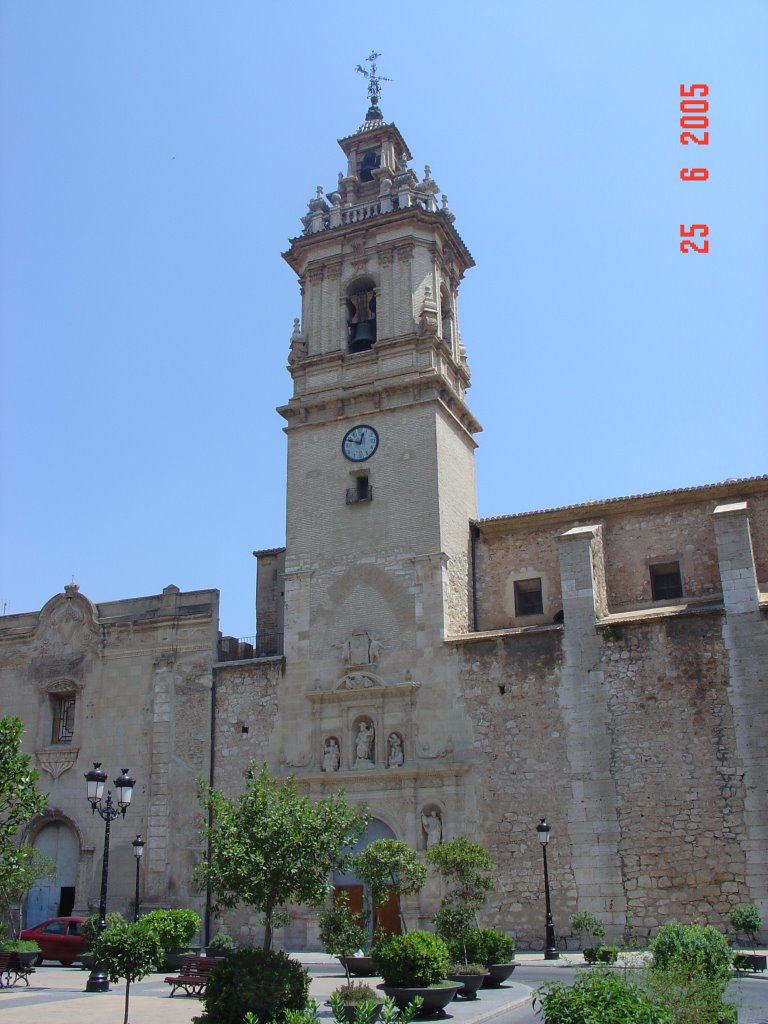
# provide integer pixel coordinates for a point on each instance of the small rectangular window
(528, 597)
(666, 581)
(63, 719)
(362, 490)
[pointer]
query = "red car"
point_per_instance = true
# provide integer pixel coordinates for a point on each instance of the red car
(59, 939)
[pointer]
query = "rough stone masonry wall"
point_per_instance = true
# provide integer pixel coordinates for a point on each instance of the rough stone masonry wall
(246, 718)
(671, 755)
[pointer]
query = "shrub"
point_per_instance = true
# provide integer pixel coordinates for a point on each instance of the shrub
(689, 972)
(221, 943)
(266, 983)
(461, 968)
(19, 946)
(90, 926)
(356, 992)
(584, 923)
(601, 954)
(174, 928)
(599, 996)
(699, 949)
(127, 951)
(488, 946)
(746, 918)
(414, 960)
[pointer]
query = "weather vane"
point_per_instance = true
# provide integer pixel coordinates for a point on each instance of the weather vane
(374, 79)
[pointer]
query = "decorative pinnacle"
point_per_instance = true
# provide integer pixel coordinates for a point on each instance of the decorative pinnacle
(374, 84)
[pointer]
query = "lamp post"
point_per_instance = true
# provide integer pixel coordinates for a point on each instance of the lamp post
(138, 850)
(550, 951)
(98, 980)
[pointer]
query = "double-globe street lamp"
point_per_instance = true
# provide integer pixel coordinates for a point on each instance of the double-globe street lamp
(138, 850)
(550, 950)
(107, 811)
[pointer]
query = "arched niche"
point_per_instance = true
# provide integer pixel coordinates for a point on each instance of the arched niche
(360, 305)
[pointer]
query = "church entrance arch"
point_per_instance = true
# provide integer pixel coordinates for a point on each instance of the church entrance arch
(54, 897)
(385, 917)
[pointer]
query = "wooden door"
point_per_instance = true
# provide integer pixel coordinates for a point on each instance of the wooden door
(355, 895)
(386, 917)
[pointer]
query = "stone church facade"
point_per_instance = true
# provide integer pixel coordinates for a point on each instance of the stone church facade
(605, 665)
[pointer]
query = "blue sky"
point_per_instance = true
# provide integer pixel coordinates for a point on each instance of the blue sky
(156, 158)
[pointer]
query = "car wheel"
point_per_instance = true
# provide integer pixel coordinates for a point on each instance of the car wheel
(66, 963)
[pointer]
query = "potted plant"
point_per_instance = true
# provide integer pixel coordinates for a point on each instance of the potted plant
(453, 924)
(89, 929)
(356, 1003)
(26, 951)
(746, 919)
(601, 954)
(174, 929)
(469, 976)
(584, 923)
(415, 964)
(220, 945)
(343, 934)
(493, 948)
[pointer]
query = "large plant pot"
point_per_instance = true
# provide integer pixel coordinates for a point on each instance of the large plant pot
(436, 997)
(749, 961)
(359, 966)
(26, 958)
(470, 983)
(175, 957)
(498, 973)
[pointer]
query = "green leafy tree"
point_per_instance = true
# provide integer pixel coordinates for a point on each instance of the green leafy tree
(746, 918)
(271, 846)
(30, 867)
(390, 866)
(128, 951)
(585, 923)
(342, 932)
(466, 868)
(19, 801)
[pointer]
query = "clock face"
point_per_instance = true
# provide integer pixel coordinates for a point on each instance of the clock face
(360, 443)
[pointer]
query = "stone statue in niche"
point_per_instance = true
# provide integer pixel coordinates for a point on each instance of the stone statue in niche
(396, 756)
(364, 745)
(331, 755)
(433, 827)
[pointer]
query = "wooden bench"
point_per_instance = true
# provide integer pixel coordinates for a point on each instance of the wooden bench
(12, 969)
(194, 974)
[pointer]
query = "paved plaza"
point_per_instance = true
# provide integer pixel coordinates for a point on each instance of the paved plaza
(56, 995)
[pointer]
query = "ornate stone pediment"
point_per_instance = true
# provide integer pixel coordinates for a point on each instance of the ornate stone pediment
(360, 681)
(67, 623)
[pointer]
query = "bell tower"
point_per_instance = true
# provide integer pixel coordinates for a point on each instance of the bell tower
(381, 491)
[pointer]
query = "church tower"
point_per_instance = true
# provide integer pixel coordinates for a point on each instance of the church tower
(381, 489)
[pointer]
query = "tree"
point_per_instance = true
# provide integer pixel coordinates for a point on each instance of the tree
(19, 801)
(29, 867)
(390, 866)
(271, 846)
(466, 867)
(128, 951)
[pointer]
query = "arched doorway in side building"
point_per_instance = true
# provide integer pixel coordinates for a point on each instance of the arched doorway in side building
(54, 897)
(384, 918)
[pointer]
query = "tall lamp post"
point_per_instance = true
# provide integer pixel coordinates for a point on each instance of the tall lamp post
(138, 850)
(107, 811)
(550, 951)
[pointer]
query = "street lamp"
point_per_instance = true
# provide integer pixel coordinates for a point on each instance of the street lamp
(107, 811)
(138, 850)
(550, 952)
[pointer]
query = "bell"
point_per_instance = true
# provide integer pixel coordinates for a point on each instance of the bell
(363, 336)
